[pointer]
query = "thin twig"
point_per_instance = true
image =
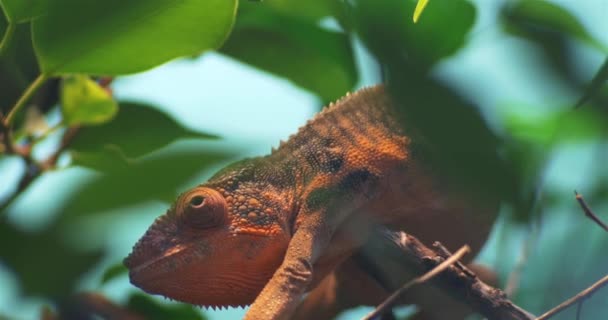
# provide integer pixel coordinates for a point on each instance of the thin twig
(579, 309)
(25, 97)
(446, 254)
(5, 135)
(580, 296)
(588, 212)
(390, 301)
(35, 169)
(7, 38)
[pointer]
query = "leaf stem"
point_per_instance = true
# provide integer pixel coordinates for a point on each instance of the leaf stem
(8, 37)
(25, 97)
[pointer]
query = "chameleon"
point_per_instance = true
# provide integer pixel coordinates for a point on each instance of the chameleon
(266, 230)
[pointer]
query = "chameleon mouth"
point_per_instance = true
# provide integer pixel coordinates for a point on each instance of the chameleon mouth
(137, 265)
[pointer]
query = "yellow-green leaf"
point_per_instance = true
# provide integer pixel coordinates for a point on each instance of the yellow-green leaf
(84, 102)
(419, 8)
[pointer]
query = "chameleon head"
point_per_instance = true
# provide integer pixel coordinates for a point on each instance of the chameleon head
(204, 252)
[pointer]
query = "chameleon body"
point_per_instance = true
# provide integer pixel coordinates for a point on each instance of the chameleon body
(268, 229)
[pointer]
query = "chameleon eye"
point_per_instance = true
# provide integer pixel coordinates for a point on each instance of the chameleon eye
(203, 208)
(197, 201)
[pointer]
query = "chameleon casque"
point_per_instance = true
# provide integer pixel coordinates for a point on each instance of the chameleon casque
(269, 229)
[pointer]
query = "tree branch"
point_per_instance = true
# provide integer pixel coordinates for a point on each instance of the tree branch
(392, 299)
(588, 212)
(25, 97)
(34, 170)
(387, 248)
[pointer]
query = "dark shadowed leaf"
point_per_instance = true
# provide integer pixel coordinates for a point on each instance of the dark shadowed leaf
(153, 310)
(157, 177)
(388, 23)
(116, 37)
(136, 130)
(18, 67)
(113, 272)
(44, 263)
(598, 81)
(23, 10)
(297, 49)
(542, 15)
(84, 102)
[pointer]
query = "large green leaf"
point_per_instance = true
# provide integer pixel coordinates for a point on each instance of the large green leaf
(310, 10)
(136, 130)
(157, 177)
(45, 264)
(84, 102)
(297, 49)
(117, 37)
(23, 10)
(387, 26)
(541, 14)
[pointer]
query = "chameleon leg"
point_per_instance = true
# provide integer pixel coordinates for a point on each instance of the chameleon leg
(283, 292)
(367, 279)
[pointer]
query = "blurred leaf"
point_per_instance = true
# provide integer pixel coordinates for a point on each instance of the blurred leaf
(44, 264)
(157, 177)
(117, 37)
(559, 127)
(539, 14)
(299, 50)
(312, 10)
(23, 10)
(84, 102)
(420, 5)
(153, 310)
(109, 158)
(387, 27)
(113, 272)
(597, 82)
(136, 130)
(18, 67)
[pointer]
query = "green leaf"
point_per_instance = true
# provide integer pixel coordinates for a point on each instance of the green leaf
(23, 10)
(312, 10)
(113, 272)
(44, 263)
(387, 28)
(153, 310)
(541, 14)
(596, 85)
(299, 50)
(158, 177)
(110, 158)
(560, 127)
(84, 102)
(136, 130)
(117, 37)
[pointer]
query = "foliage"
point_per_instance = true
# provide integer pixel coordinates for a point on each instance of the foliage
(59, 117)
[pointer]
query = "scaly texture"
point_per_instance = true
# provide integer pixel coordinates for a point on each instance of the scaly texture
(270, 228)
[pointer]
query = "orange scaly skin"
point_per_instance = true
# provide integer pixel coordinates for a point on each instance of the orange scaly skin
(268, 229)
